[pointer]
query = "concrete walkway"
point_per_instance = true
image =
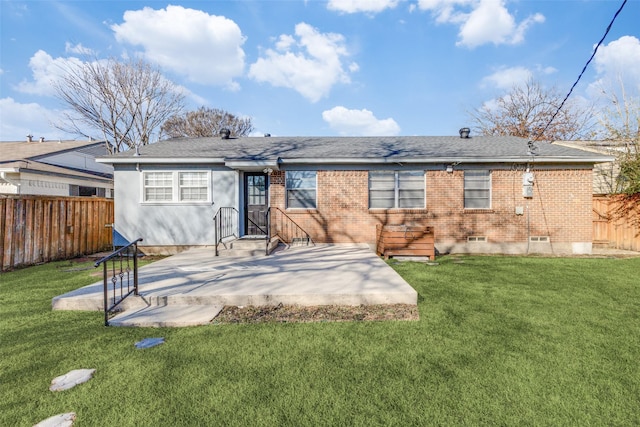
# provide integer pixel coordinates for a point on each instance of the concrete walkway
(192, 287)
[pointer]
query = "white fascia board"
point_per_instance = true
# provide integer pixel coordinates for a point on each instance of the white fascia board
(440, 160)
(155, 160)
(251, 164)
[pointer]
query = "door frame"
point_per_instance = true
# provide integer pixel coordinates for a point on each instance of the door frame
(245, 192)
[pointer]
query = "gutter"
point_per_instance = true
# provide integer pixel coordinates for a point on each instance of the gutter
(460, 160)
(241, 164)
(156, 160)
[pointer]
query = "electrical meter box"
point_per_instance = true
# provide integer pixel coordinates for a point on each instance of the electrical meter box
(527, 185)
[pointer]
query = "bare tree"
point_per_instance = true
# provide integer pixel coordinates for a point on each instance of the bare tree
(526, 111)
(125, 101)
(620, 126)
(206, 122)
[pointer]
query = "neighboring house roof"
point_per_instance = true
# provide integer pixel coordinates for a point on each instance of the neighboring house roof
(352, 150)
(32, 156)
(32, 150)
(46, 169)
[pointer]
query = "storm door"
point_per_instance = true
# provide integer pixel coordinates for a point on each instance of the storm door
(256, 203)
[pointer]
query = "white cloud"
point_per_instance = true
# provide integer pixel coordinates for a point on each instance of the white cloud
(481, 21)
(310, 63)
(45, 71)
(77, 49)
(358, 6)
(506, 78)
(618, 62)
(18, 120)
(359, 122)
(205, 48)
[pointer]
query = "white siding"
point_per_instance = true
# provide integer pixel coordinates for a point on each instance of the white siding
(170, 224)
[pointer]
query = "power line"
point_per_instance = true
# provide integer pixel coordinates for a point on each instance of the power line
(595, 50)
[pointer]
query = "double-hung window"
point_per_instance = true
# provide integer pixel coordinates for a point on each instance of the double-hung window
(396, 189)
(175, 186)
(158, 186)
(301, 189)
(477, 189)
(193, 186)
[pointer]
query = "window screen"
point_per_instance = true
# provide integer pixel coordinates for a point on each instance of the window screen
(477, 189)
(301, 189)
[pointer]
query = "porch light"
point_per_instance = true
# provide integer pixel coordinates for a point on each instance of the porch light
(268, 171)
(449, 168)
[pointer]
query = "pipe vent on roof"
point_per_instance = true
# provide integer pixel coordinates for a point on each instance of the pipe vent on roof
(29, 138)
(42, 139)
(464, 133)
(225, 133)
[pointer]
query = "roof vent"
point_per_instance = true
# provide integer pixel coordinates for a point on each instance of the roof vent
(29, 138)
(42, 139)
(225, 133)
(267, 135)
(464, 133)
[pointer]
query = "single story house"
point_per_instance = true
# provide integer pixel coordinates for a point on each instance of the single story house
(479, 194)
(54, 168)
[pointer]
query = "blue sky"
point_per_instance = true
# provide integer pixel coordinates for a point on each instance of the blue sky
(320, 68)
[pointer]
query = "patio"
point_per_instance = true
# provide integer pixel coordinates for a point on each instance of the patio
(191, 288)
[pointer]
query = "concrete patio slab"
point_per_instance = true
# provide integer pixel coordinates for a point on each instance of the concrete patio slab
(315, 275)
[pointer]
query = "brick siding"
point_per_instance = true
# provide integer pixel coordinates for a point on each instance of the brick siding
(560, 208)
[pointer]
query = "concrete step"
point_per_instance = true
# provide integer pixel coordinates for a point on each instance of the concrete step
(248, 243)
(241, 252)
(167, 316)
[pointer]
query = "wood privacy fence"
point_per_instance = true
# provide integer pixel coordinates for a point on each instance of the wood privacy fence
(36, 229)
(611, 229)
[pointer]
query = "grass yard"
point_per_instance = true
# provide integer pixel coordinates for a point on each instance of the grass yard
(500, 341)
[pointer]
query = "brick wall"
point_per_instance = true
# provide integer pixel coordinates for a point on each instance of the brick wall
(560, 209)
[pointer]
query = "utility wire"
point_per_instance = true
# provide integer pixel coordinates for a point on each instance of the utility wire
(595, 50)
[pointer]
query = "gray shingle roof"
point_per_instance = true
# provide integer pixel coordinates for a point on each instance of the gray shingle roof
(357, 149)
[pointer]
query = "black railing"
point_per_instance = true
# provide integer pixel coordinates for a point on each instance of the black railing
(120, 269)
(281, 226)
(225, 225)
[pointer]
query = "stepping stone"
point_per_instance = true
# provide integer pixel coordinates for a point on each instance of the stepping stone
(71, 379)
(60, 420)
(149, 342)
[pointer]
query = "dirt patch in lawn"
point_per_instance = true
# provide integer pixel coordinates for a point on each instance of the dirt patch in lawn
(319, 313)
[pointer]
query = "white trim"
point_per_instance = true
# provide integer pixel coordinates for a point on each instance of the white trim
(175, 188)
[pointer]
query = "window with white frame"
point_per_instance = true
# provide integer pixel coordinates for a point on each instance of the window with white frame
(301, 189)
(396, 189)
(167, 187)
(158, 186)
(477, 189)
(193, 186)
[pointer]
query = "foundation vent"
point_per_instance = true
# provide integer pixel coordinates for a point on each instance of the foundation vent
(540, 239)
(476, 238)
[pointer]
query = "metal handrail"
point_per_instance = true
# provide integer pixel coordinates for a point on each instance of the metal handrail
(121, 273)
(224, 225)
(286, 229)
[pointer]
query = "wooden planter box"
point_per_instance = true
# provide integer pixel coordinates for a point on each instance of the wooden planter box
(405, 240)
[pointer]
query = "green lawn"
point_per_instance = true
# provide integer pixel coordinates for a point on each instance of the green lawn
(501, 341)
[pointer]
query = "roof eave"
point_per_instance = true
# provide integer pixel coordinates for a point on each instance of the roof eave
(164, 160)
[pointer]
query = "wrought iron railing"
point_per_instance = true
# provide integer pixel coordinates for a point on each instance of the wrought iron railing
(119, 276)
(278, 226)
(281, 226)
(225, 225)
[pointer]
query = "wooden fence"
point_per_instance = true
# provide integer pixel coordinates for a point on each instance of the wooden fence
(610, 229)
(36, 229)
